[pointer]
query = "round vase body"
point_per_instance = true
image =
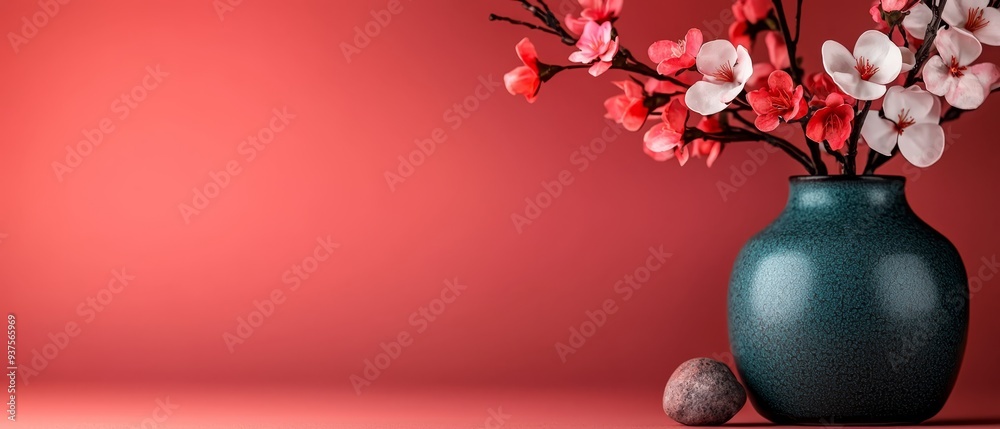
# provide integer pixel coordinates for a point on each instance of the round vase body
(848, 309)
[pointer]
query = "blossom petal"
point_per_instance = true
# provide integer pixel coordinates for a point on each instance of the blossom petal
(917, 21)
(955, 13)
(634, 116)
(990, 34)
(912, 102)
(599, 68)
(713, 153)
(776, 50)
(922, 144)
(880, 134)
(522, 80)
(837, 59)
(610, 51)
(675, 115)
(682, 154)
(968, 93)
(937, 76)
(958, 44)
(909, 59)
(743, 68)
(526, 52)
(987, 73)
(780, 80)
(581, 57)
(662, 50)
(767, 123)
(658, 156)
(575, 25)
(852, 85)
(714, 55)
(660, 139)
(705, 97)
(693, 41)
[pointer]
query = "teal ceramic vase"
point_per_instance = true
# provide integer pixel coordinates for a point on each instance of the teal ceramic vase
(848, 309)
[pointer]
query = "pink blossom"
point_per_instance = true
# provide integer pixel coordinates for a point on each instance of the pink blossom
(599, 11)
(822, 85)
(888, 6)
(726, 69)
(596, 44)
(780, 100)
(524, 79)
(976, 17)
(738, 34)
(672, 57)
(666, 139)
(896, 5)
(910, 119)
(832, 123)
(761, 71)
(628, 108)
(710, 149)
(951, 73)
(863, 74)
(777, 50)
(752, 10)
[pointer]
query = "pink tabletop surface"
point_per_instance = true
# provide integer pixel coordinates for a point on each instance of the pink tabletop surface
(193, 406)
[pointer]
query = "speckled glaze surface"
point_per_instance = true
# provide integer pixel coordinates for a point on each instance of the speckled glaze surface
(848, 309)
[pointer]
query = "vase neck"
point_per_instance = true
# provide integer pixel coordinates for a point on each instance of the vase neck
(848, 194)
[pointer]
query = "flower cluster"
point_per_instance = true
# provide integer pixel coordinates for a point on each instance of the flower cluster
(887, 91)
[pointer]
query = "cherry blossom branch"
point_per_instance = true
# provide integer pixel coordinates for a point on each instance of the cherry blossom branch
(837, 155)
(925, 50)
(549, 19)
(495, 17)
(872, 163)
(813, 146)
(779, 10)
(798, 20)
(626, 61)
(852, 143)
(785, 145)
(736, 135)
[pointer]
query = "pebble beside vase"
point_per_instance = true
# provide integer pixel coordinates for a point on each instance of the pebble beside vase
(848, 309)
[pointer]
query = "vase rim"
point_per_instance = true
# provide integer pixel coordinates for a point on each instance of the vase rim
(844, 178)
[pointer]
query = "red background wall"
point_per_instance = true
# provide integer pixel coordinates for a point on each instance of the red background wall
(324, 176)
